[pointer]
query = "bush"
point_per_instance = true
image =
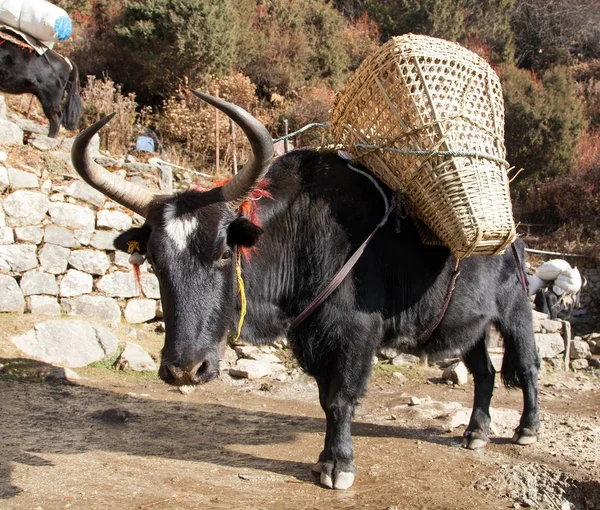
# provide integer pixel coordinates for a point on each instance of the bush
(298, 43)
(570, 204)
(102, 97)
(187, 124)
(312, 105)
(461, 21)
(544, 122)
(176, 38)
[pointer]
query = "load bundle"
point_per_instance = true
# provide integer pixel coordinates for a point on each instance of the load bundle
(37, 21)
(427, 117)
(558, 273)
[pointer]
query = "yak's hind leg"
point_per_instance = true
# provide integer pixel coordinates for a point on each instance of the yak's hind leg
(50, 101)
(479, 364)
(520, 367)
(340, 385)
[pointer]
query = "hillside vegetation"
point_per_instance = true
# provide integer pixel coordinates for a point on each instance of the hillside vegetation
(285, 59)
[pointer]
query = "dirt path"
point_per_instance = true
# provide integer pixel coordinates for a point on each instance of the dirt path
(122, 441)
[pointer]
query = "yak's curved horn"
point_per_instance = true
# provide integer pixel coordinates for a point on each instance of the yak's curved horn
(240, 187)
(125, 193)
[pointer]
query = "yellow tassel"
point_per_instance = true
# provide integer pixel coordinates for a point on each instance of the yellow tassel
(132, 247)
(240, 281)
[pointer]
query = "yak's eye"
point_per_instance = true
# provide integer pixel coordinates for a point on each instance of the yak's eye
(226, 255)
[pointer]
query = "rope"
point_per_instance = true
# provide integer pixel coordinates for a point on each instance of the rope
(455, 154)
(301, 130)
(365, 174)
(556, 253)
(241, 290)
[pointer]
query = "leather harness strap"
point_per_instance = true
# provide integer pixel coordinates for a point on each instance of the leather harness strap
(342, 273)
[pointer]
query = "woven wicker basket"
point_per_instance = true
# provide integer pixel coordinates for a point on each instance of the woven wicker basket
(427, 116)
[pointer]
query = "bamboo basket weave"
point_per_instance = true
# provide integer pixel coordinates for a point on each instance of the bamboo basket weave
(427, 116)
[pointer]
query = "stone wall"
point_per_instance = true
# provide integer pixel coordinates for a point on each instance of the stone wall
(56, 235)
(587, 315)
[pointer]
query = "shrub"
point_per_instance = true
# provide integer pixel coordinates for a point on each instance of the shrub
(544, 122)
(311, 105)
(187, 124)
(459, 21)
(298, 43)
(570, 204)
(102, 97)
(176, 38)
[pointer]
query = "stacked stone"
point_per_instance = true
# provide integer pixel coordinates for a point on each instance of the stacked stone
(56, 252)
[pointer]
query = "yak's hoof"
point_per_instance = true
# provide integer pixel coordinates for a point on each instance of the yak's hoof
(524, 436)
(335, 475)
(474, 439)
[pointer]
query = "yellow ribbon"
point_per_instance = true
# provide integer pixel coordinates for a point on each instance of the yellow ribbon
(240, 281)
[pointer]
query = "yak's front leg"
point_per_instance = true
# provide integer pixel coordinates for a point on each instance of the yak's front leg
(336, 462)
(479, 364)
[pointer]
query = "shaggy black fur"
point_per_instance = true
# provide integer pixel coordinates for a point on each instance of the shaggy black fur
(46, 77)
(321, 211)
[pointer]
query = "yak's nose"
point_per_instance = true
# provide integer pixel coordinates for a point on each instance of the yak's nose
(192, 373)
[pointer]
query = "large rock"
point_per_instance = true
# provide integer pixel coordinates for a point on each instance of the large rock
(103, 239)
(42, 305)
(580, 350)
(457, 373)
(2, 214)
(68, 343)
(94, 307)
(405, 359)
(60, 236)
(118, 284)
(579, 364)
(42, 142)
(11, 297)
(140, 310)
(550, 326)
(7, 236)
(388, 353)
(549, 345)
(20, 257)
(22, 180)
(72, 216)
(4, 182)
(150, 286)
(251, 369)
(115, 220)
(33, 235)
(83, 191)
(10, 133)
(135, 358)
(37, 282)
(54, 258)
(90, 261)
(93, 147)
(2, 108)
(75, 283)
(4, 267)
(24, 208)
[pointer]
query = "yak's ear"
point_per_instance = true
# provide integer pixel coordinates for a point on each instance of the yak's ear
(242, 232)
(136, 235)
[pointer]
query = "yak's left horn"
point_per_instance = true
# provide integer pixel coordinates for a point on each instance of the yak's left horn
(125, 193)
(240, 187)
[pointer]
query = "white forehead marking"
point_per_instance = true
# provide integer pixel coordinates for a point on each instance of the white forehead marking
(179, 229)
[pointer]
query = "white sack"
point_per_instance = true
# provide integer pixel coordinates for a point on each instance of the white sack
(551, 269)
(10, 10)
(40, 19)
(535, 283)
(569, 280)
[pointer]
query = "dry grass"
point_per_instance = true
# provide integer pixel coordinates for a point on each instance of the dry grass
(102, 97)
